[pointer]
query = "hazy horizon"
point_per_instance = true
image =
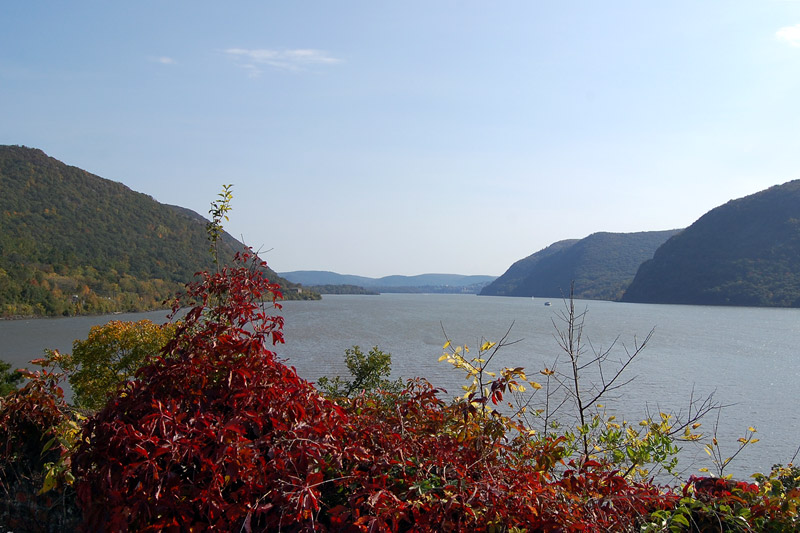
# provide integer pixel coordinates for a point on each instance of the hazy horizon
(380, 139)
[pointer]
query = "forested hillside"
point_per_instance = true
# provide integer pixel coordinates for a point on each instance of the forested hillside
(601, 266)
(746, 252)
(72, 242)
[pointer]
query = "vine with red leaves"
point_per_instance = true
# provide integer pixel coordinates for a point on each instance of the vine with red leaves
(217, 434)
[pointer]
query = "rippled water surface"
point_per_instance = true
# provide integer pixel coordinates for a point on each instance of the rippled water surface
(747, 357)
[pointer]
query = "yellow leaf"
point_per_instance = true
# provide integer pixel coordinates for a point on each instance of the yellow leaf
(704, 469)
(534, 385)
(696, 425)
(50, 480)
(751, 429)
(446, 345)
(443, 357)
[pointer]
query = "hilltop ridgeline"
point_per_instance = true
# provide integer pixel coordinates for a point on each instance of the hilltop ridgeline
(429, 283)
(73, 243)
(600, 265)
(745, 252)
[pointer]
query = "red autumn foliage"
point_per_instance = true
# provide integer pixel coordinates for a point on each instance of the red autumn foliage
(215, 431)
(715, 501)
(217, 434)
(28, 420)
(423, 474)
(714, 489)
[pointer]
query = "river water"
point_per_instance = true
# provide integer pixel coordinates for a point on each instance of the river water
(746, 357)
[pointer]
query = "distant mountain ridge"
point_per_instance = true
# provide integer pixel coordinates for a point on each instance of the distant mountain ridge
(72, 242)
(389, 283)
(745, 252)
(600, 265)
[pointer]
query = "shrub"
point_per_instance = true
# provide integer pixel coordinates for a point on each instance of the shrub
(110, 355)
(35, 491)
(9, 379)
(216, 431)
(368, 371)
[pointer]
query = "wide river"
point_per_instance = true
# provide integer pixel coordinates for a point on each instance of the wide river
(747, 357)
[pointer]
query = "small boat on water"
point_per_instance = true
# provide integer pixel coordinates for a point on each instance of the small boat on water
(547, 304)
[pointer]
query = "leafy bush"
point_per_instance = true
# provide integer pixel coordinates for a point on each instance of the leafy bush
(35, 492)
(216, 431)
(111, 354)
(218, 434)
(717, 504)
(369, 372)
(9, 379)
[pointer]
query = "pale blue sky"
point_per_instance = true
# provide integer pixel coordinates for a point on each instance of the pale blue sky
(380, 138)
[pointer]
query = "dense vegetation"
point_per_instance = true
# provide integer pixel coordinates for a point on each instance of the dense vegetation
(341, 289)
(198, 426)
(746, 252)
(601, 266)
(214, 433)
(72, 242)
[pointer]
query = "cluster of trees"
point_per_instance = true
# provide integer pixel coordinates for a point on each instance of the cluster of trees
(213, 432)
(74, 243)
(341, 289)
(27, 290)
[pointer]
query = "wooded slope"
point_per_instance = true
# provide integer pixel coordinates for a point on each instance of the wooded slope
(72, 242)
(745, 252)
(601, 266)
